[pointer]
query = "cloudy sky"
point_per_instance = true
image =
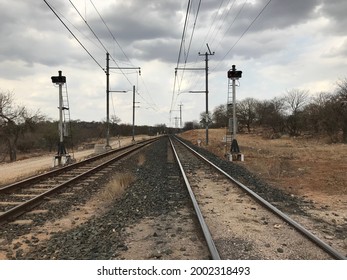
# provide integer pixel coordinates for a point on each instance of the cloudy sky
(279, 45)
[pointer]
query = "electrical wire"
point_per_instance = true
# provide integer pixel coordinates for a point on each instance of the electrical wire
(190, 43)
(74, 35)
(223, 19)
(120, 68)
(114, 38)
(177, 81)
(232, 23)
(100, 42)
(243, 33)
(85, 37)
(179, 55)
(96, 36)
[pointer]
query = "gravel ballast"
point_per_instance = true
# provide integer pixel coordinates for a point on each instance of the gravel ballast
(156, 191)
(151, 194)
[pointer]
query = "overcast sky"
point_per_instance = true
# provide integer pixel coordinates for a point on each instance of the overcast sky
(292, 44)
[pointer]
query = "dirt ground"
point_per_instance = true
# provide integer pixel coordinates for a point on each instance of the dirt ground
(29, 166)
(304, 167)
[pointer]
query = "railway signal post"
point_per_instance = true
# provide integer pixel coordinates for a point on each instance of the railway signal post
(235, 153)
(62, 157)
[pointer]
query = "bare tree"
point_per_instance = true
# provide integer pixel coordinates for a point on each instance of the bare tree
(205, 119)
(314, 113)
(295, 101)
(246, 112)
(220, 116)
(342, 107)
(270, 114)
(14, 121)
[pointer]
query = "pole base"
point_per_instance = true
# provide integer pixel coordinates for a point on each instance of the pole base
(61, 160)
(234, 147)
(236, 157)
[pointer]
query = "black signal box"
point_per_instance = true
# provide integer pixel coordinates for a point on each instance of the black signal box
(58, 79)
(233, 74)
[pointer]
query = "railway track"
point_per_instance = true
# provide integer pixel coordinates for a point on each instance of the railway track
(154, 217)
(21, 197)
(241, 221)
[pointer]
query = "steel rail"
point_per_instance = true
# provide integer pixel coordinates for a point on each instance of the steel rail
(327, 248)
(22, 208)
(210, 243)
(54, 172)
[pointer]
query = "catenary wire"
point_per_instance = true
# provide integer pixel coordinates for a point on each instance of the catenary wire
(74, 35)
(96, 36)
(120, 68)
(190, 43)
(243, 33)
(179, 56)
(114, 38)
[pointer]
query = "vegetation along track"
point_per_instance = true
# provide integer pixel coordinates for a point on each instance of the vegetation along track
(20, 197)
(243, 224)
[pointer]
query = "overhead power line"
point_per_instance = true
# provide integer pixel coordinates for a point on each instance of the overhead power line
(244, 32)
(74, 35)
(114, 38)
(189, 45)
(96, 36)
(184, 32)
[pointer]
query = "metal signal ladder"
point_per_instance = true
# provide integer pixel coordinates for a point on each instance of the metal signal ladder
(66, 115)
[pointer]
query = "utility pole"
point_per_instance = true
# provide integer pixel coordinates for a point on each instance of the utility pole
(176, 122)
(206, 86)
(180, 115)
(206, 54)
(108, 101)
(134, 107)
(108, 97)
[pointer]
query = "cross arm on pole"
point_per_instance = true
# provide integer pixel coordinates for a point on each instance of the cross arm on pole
(197, 91)
(127, 68)
(182, 68)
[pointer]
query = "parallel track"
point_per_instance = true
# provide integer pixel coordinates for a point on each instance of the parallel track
(328, 249)
(20, 197)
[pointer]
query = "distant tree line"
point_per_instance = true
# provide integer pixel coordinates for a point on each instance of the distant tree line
(295, 113)
(23, 132)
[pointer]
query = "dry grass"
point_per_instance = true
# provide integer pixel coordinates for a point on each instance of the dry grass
(141, 160)
(300, 166)
(116, 187)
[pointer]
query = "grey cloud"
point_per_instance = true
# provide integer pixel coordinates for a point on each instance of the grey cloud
(162, 49)
(28, 34)
(335, 11)
(278, 14)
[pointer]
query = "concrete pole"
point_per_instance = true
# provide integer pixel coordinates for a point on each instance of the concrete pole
(234, 109)
(133, 114)
(107, 100)
(181, 115)
(61, 133)
(206, 85)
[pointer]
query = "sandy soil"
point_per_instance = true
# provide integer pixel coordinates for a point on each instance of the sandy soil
(306, 168)
(10, 172)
